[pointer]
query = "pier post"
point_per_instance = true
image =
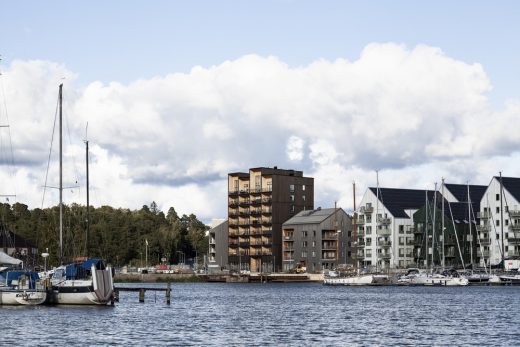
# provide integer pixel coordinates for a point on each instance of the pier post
(141, 295)
(116, 295)
(168, 292)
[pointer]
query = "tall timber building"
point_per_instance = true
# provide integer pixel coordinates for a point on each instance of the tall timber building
(259, 202)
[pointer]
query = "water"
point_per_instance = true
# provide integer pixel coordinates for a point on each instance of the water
(304, 314)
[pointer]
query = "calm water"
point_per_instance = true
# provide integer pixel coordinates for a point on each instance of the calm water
(279, 314)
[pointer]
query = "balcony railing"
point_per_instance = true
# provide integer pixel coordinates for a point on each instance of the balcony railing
(383, 220)
(485, 242)
(483, 214)
(514, 213)
(513, 253)
(360, 221)
(483, 228)
(384, 232)
(366, 209)
(514, 227)
(385, 244)
(384, 256)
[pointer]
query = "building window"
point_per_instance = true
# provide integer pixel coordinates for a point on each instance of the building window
(291, 197)
(258, 185)
(506, 221)
(401, 229)
(303, 187)
(291, 188)
(303, 197)
(498, 209)
(498, 197)
(304, 254)
(314, 233)
(313, 243)
(292, 209)
(269, 186)
(313, 254)
(498, 222)
(304, 233)
(304, 244)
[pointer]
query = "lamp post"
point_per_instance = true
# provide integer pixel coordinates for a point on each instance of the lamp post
(146, 253)
(45, 255)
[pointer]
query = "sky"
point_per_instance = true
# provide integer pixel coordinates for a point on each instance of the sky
(178, 94)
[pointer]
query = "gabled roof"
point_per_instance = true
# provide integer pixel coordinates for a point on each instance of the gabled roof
(398, 200)
(459, 211)
(512, 184)
(10, 239)
(460, 191)
(312, 216)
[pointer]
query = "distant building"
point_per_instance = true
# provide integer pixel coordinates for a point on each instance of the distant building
(499, 229)
(218, 245)
(384, 226)
(459, 216)
(18, 247)
(258, 203)
(317, 239)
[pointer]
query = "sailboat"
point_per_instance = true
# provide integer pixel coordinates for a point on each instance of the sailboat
(85, 281)
(18, 286)
(354, 277)
(446, 278)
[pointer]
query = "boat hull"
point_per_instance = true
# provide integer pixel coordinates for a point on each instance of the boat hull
(446, 281)
(22, 297)
(361, 280)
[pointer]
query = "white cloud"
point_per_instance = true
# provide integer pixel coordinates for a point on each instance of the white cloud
(415, 114)
(294, 148)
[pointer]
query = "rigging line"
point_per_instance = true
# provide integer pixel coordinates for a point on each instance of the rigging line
(50, 153)
(70, 143)
(456, 237)
(481, 248)
(11, 166)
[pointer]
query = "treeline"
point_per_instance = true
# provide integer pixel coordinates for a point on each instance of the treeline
(117, 235)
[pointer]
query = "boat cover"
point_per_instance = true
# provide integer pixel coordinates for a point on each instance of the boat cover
(7, 259)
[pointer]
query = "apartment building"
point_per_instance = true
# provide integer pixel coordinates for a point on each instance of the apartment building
(259, 202)
(384, 226)
(317, 239)
(218, 246)
(499, 228)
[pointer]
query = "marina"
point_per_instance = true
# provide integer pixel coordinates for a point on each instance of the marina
(292, 314)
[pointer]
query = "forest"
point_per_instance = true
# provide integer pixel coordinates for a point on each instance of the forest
(117, 235)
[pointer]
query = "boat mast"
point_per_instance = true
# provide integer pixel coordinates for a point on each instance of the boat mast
(442, 217)
(88, 203)
(61, 173)
(425, 234)
(502, 219)
(470, 231)
(377, 215)
(434, 225)
(356, 264)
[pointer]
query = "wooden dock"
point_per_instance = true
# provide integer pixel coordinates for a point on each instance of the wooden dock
(142, 290)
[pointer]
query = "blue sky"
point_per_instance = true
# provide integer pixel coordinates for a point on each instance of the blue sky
(128, 40)
(338, 89)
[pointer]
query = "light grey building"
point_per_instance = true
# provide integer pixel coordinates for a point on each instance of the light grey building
(218, 247)
(317, 239)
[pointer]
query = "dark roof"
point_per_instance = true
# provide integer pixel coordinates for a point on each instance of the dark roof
(512, 184)
(459, 211)
(397, 200)
(312, 216)
(10, 239)
(460, 192)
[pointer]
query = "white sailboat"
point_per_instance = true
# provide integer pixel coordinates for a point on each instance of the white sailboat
(355, 277)
(19, 287)
(86, 281)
